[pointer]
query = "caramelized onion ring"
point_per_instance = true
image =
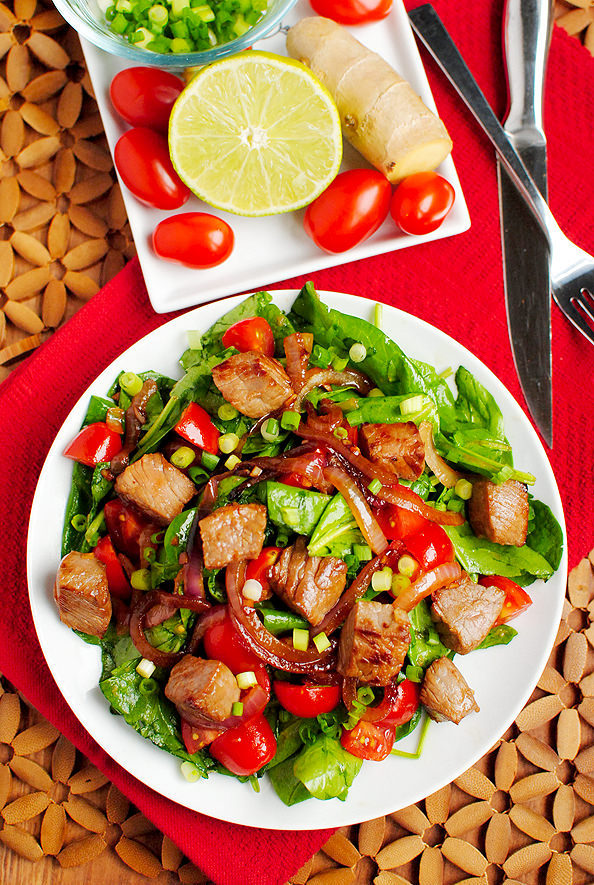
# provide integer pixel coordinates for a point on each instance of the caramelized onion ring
(318, 377)
(359, 507)
(438, 577)
(445, 474)
(166, 604)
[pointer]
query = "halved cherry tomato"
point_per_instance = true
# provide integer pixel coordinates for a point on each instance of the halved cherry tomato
(311, 471)
(396, 523)
(516, 598)
(116, 577)
(308, 699)
(144, 96)
(195, 425)
(194, 239)
(398, 709)
(93, 444)
(349, 211)
(251, 334)
(223, 643)
(421, 202)
(368, 740)
(352, 12)
(126, 528)
(142, 158)
(258, 568)
(245, 749)
(430, 546)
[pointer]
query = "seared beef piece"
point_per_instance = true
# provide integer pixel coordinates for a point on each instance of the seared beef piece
(252, 382)
(310, 585)
(82, 594)
(202, 689)
(499, 512)
(231, 533)
(373, 642)
(155, 487)
(465, 612)
(445, 693)
(397, 447)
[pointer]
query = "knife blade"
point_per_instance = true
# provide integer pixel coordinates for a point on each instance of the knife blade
(527, 30)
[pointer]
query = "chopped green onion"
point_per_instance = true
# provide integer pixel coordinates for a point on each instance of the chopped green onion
(290, 420)
(246, 679)
(179, 629)
(145, 668)
(79, 522)
(141, 37)
(363, 552)
(149, 554)
(412, 404)
(463, 489)
(232, 462)
(158, 15)
(455, 505)
(382, 580)
(92, 532)
(190, 771)
(130, 383)
(180, 46)
(237, 709)
(399, 583)
(321, 642)
(407, 565)
(374, 486)
(415, 674)
(375, 391)
(358, 352)
(141, 579)
(157, 538)
(378, 312)
(300, 639)
(194, 337)
(270, 430)
(252, 589)
(204, 13)
(349, 405)
(148, 687)
(339, 363)
(341, 433)
(209, 461)
(282, 539)
(227, 412)
(183, 457)
(228, 442)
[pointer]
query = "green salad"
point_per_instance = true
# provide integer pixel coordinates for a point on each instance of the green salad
(282, 554)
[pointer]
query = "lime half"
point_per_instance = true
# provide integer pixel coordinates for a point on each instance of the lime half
(255, 134)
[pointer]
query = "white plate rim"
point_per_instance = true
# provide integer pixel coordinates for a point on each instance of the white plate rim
(266, 811)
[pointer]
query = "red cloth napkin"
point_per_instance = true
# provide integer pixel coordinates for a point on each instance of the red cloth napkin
(455, 284)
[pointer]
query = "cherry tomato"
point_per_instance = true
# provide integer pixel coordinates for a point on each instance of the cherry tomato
(223, 643)
(311, 471)
(368, 740)
(116, 577)
(144, 96)
(251, 334)
(245, 749)
(308, 699)
(196, 427)
(396, 522)
(127, 528)
(352, 12)
(421, 202)
(349, 211)
(142, 158)
(398, 709)
(258, 568)
(194, 239)
(430, 546)
(93, 444)
(516, 598)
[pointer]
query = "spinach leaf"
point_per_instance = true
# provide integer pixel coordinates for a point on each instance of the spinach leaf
(425, 644)
(326, 769)
(97, 410)
(479, 556)
(336, 530)
(502, 634)
(387, 410)
(476, 405)
(286, 784)
(545, 534)
(297, 509)
(80, 501)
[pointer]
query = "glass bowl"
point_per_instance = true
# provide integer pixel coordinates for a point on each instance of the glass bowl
(88, 19)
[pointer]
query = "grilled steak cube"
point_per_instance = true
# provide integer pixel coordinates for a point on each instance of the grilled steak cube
(310, 585)
(202, 689)
(499, 512)
(445, 693)
(373, 643)
(155, 487)
(231, 533)
(397, 447)
(254, 383)
(464, 613)
(82, 593)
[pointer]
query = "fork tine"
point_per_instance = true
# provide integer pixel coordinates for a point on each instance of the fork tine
(580, 312)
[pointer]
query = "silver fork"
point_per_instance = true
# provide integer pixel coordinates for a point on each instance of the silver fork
(572, 269)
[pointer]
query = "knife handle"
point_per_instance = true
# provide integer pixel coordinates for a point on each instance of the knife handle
(526, 37)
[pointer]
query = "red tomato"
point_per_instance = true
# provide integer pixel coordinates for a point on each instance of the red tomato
(516, 598)
(430, 546)
(196, 427)
(144, 96)
(399, 709)
(93, 444)
(196, 737)
(352, 12)
(142, 158)
(251, 334)
(223, 643)
(396, 523)
(308, 699)
(421, 202)
(194, 239)
(349, 211)
(126, 528)
(310, 472)
(246, 748)
(116, 577)
(258, 568)
(368, 740)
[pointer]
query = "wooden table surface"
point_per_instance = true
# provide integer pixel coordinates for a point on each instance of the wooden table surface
(524, 812)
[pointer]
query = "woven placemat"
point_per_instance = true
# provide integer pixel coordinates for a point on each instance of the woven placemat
(523, 813)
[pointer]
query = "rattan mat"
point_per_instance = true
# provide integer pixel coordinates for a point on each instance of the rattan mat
(524, 813)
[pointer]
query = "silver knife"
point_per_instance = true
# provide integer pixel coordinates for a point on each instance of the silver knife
(526, 31)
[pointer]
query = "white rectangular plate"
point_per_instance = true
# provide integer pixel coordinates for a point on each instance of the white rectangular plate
(275, 247)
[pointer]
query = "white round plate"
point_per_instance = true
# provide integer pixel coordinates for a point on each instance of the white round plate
(502, 677)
